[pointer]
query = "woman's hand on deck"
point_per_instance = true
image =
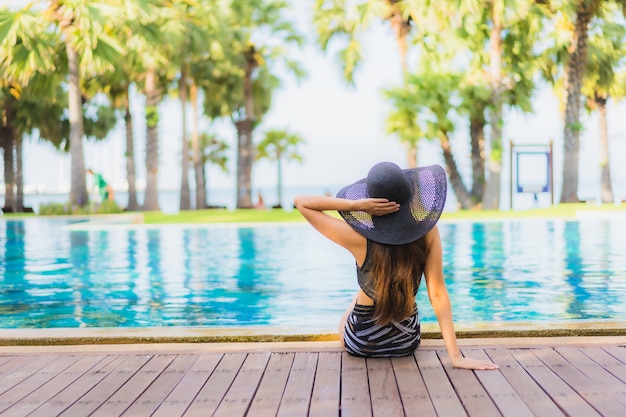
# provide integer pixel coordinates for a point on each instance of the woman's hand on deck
(469, 363)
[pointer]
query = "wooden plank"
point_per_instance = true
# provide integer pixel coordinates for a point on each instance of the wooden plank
(219, 382)
(134, 387)
(57, 404)
(297, 396)
(272, 386)
(618, 352)
(442, 394)
(326, 388)
(355, 395)
(535, 398)
(35, 380)
(21, 368)
(184, 393)
(152, 397)
(584, 386)
(14, 363)
(607, 361)
(498, 388)
(412, 388)
(53, 386)
(473, 396)
(383, 388)
(560, 392)
(238, 398)
(600, 379)
(103, 390)
(5, 359)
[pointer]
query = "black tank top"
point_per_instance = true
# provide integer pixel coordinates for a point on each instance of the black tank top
(363, 275)
(366, 282)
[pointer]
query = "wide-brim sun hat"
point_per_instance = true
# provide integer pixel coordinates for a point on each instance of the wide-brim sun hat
(421, 193)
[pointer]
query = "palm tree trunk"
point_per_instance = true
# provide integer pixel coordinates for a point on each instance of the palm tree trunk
(151, 200)
(606, 190)
(201, 200)
(477, 136)
(19, 176)
(280, 182)
(462, 196)
(571, 130)
(245, 146)
(130, 156)
(491, 198)
(185, 203)
(78, 190)
(6, 138)
(401, 29)
(411, 154)
(244, 163)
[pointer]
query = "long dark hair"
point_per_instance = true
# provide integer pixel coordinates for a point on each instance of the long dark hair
(396, 272)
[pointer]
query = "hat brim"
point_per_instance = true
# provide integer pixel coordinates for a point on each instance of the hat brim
(415, 218)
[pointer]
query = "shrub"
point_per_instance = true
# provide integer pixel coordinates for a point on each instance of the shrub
(59, 209)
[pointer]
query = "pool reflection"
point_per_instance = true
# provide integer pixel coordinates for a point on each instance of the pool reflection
(60, 274)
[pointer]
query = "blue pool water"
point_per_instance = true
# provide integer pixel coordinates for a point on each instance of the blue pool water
(56, 273)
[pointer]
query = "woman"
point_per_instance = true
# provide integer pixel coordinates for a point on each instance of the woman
(390, 229)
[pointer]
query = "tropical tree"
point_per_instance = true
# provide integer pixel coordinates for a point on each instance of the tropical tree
(580, 13)
(26, 51)
(344, 22)
(138, 33)
(430, 94)
(213, 151)
(259, 46)
(500, 35)
(9, 93)
(199, 49)
(279, 146)
(85, 30)
(603, 80)
(155, 75)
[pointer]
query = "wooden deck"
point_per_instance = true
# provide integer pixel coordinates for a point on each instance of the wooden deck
(558, 378)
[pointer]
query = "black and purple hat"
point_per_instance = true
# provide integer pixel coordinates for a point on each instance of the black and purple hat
(421, 193)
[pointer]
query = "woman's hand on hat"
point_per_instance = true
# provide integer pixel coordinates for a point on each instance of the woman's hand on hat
(378, 206)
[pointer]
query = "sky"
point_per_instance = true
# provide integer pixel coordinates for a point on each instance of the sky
(343, 127)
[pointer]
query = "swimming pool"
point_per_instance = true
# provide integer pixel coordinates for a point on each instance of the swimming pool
(59, 273)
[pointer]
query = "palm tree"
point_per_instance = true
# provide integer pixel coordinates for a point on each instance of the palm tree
(430, 95)
(139, 31)
(7, 142)
(603, 81)
(85, 29)
(242, 88)
(198, 52)
(153, 74)
(583, 11)
(279, 146)
(27, 65)
(500, 35)
(344, 22)
(213, 151)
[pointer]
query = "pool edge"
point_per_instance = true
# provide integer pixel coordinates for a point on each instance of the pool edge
(195, 335)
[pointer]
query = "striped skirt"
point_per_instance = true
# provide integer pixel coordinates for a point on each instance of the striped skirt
(364, 338)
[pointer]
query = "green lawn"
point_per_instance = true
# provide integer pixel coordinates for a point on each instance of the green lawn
(278, 215)
(223, 216)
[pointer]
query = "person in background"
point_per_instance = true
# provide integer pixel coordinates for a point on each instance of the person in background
(105, 190)
(389, 226)
(260, 204)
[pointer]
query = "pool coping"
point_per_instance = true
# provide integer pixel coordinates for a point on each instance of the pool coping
(304, 346)
(272, 334)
